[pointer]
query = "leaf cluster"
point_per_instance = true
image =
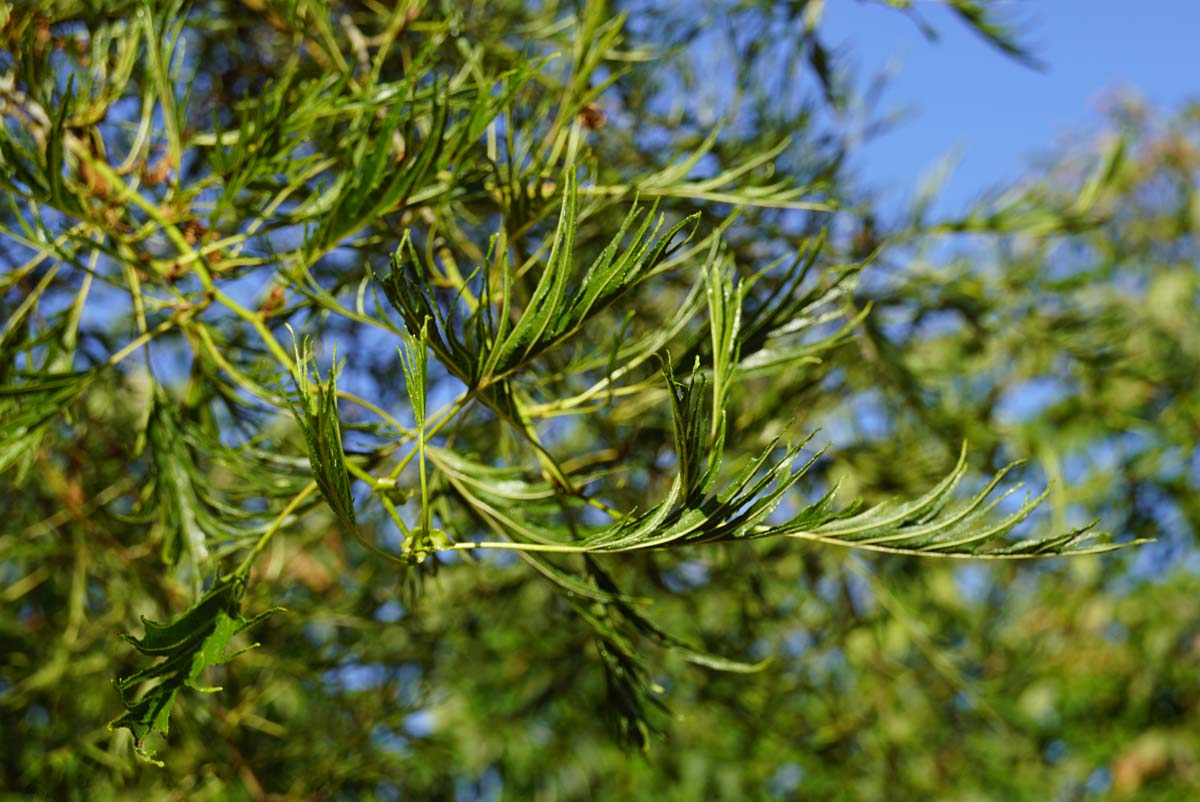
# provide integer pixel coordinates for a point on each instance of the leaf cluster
(613, 348)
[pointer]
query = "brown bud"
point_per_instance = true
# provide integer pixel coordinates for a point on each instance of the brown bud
(592, 116)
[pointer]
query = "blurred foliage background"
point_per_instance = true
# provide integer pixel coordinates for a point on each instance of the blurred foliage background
(184, 179)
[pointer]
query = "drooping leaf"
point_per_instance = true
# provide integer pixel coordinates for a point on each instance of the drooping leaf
(317, 414)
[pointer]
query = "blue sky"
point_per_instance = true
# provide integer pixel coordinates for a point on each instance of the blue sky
(997, 114)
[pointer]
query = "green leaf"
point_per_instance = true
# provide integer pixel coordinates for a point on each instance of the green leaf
(489, 349)
(198, 639)
(177, 504)
(937, 525)
(317, 414)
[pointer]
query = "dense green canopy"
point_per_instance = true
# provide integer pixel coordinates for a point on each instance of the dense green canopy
(524, 400)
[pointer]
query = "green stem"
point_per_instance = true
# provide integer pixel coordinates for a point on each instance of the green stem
(276, 525)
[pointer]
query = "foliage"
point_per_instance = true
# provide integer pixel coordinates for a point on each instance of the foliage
(195, 641)
(595, 506)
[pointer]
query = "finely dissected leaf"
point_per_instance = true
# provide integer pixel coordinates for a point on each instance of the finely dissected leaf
(317, 414)
(414, 358)
(729, 186)
(198, 639)
(620, 631)
(177, 507)
(937, 525)
(35, 394)
(198, 518)
(27, 412)
(775, 320)
(488, 349)
(415, 361)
